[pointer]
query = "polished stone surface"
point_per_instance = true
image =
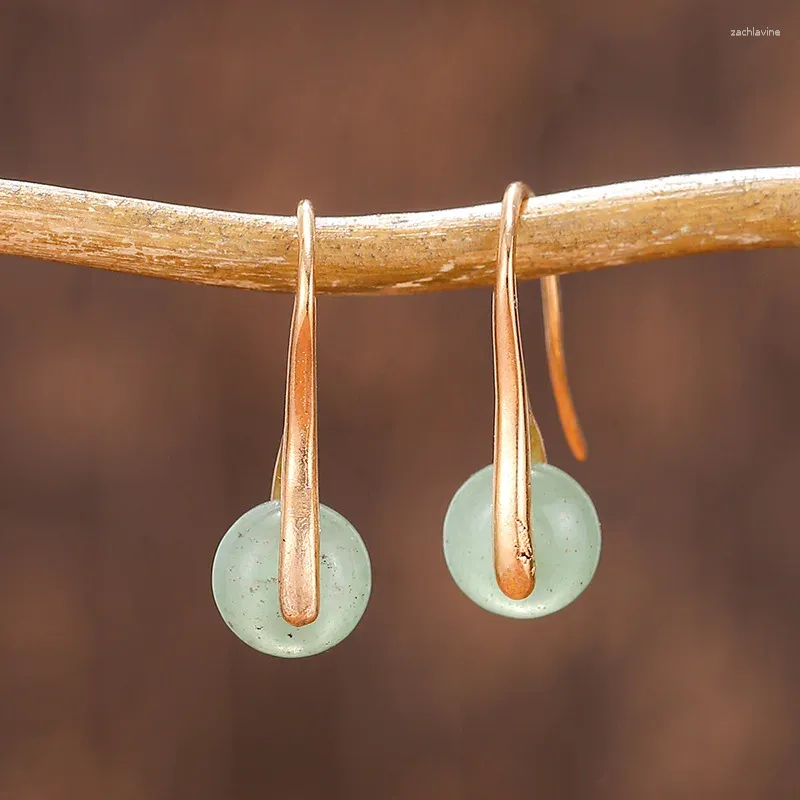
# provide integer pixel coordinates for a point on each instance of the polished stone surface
(245, 583)
(566, 542)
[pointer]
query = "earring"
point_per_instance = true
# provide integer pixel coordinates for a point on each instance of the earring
(496, 556)
(292, 577)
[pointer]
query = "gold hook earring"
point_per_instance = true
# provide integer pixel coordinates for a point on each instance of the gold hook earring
(514, 561)
(491, 521)
(292, 577)
(298, 492)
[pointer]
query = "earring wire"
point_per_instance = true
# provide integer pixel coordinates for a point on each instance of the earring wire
(515, 567)
(295, 480)
(517, 438)
(556, 362)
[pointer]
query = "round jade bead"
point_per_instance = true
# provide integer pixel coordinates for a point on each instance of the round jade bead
(566, 542)
(244, 580)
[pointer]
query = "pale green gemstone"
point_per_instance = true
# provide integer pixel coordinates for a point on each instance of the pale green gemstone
(566, 542)
(244, 580)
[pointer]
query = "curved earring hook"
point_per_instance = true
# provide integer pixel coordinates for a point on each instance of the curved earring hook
(517, 438)
(295, 481)
(556, 362)
(515, 567)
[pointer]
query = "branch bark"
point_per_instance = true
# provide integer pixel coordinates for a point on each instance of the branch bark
(401, 253)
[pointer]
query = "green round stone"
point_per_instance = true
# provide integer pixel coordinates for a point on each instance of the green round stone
(244, 580)
(566, 542)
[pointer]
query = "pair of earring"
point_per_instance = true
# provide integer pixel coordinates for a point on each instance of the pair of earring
(292, 577)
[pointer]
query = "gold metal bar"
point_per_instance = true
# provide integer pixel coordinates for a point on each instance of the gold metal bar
(298, 563)
(514, 562)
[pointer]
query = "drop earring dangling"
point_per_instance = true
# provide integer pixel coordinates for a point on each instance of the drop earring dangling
(292, 577)
(521, 537)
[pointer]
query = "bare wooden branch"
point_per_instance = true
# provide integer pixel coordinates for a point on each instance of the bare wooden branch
(395, 253)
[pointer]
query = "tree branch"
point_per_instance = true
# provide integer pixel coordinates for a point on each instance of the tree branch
(396, 253)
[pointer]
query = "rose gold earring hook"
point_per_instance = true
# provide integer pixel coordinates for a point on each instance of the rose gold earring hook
(554, 342)
(295, 481)
(517, 438)
(514, 562)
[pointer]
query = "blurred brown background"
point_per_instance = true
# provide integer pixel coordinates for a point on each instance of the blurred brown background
(139, 418)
